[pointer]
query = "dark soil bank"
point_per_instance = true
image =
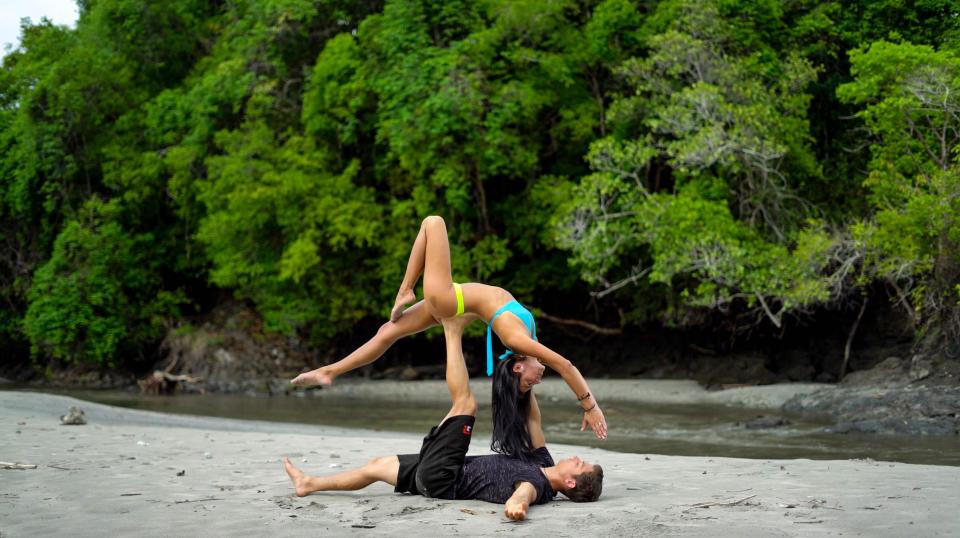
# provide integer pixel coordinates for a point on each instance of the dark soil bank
(919, 396)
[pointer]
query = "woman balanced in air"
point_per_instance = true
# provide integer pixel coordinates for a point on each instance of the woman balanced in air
(444, 298)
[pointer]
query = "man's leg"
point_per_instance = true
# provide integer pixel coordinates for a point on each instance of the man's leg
(386, 469)
(383, 469)
(445, 447)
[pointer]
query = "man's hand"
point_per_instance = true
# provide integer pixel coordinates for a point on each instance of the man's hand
(516, 509)
(517, 504)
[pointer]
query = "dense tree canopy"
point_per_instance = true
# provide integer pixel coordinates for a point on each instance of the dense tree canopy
(664, 161)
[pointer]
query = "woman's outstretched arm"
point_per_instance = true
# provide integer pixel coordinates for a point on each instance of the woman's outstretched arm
(593, 415)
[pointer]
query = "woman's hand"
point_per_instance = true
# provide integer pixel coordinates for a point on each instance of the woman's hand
(594, 418)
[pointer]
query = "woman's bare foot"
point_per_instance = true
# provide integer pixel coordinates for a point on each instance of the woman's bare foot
(320, 376)
(404, 297)
(297, 477)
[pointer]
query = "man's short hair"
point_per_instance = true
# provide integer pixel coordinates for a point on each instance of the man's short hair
(588, 488)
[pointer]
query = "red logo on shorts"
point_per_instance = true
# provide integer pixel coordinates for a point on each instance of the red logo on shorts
(467, 429)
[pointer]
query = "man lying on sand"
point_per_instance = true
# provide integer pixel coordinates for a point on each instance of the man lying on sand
(442, 469)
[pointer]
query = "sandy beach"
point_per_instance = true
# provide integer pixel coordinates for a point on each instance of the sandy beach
(139, 473)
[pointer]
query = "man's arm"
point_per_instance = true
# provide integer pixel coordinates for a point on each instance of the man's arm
(520, 501)
(533, 424)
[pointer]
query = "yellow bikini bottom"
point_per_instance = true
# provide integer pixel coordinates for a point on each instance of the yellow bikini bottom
(459, 292)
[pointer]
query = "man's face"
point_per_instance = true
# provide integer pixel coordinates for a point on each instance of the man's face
(530, 372)
(573, 467)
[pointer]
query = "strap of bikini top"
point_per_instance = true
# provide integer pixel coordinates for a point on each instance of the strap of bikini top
(489, 350)
(490, 339)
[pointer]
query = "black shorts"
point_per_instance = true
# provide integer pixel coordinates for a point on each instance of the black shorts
(435, 470)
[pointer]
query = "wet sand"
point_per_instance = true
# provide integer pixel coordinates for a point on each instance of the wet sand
(652, 391)
(138, 473)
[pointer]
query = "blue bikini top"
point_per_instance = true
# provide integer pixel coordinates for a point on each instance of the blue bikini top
(525, 316)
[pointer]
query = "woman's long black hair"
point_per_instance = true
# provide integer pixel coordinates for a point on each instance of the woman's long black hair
(510, 411)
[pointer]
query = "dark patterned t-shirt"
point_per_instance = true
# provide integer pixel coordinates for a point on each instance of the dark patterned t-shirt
(493, 478)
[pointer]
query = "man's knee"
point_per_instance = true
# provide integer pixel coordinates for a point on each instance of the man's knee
(380, 468)
(377, 462)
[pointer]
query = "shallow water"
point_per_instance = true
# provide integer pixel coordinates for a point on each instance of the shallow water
(683, 430)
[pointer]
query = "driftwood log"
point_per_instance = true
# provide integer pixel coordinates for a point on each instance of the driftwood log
(160, 382)
(18, 466)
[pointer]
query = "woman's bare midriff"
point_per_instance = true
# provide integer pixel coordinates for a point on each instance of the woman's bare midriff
(484, 300)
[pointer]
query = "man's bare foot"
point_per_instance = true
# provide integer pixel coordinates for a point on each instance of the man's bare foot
(404, 297)
(297, 477)
(459, 323)
(320, 376)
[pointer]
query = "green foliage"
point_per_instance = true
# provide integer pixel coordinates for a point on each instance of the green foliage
(157, 41)
(336, 97)
(97, 295)
(911, 104)
(930, 22)
(282, 230)
(731, 124)
(683, 157)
